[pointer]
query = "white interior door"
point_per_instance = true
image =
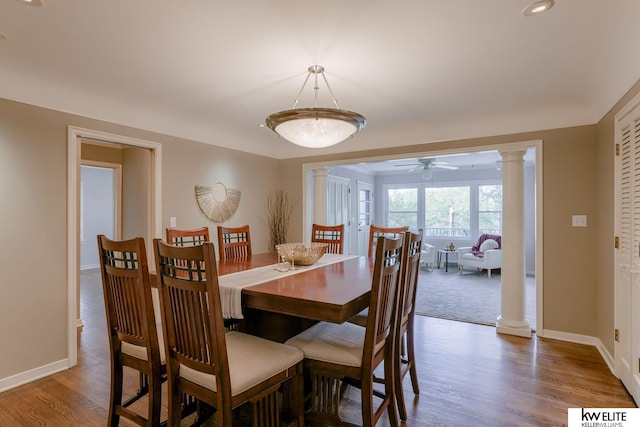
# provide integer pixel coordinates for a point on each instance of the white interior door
(627, 256)
(365, 215)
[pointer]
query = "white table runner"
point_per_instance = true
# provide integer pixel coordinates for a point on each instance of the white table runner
(231, 285)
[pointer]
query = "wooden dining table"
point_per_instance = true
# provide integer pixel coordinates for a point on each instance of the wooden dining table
(280, 308)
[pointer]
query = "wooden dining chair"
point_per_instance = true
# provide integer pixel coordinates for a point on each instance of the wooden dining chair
(234, 242)
(134, 338)
(193, 237)
(375, 231)
(405, 347)
(348, 353)
(332, 235)
(225, 370)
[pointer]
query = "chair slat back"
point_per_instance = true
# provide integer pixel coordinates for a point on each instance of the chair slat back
(193, 237)
(411, 257)
(332, 235)
(234, 242)
(383, 305)
(127, 292)
(191, 309)
(376, 231)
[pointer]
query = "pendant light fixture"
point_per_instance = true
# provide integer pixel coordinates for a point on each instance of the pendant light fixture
(316, 127)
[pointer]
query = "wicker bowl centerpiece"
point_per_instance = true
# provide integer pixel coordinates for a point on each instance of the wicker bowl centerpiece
(303, 253)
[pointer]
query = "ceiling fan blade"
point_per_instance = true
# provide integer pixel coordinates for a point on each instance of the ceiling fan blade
(446, 167)
(415, 168)
(410, 164)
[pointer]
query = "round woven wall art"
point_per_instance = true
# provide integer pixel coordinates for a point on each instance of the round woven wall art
(218, 203)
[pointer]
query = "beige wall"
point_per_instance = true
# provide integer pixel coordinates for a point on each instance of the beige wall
(33, 291)
(100, 153)
(137, 193)
(33, 186)
(185, 166)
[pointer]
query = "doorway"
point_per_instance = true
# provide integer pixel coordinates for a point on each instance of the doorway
(153, 221)
(352, 168)
(365, 215)
(99, 207)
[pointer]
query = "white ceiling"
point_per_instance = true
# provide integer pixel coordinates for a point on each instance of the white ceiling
(419, 70)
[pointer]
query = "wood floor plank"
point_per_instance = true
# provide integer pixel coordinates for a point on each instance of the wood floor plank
(469, 376)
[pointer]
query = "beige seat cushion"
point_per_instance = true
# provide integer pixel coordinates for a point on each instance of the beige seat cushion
(251, 361)
(333, 343)
(140, 352)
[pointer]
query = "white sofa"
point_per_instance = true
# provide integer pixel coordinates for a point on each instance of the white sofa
(428, 256)
(490, 259)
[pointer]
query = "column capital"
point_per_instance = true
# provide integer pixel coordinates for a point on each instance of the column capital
(512, 155)
(320, 171)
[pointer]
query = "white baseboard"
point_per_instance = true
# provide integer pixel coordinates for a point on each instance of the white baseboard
(89, 266)
(608, 358)
(33, 374)
(583, 339)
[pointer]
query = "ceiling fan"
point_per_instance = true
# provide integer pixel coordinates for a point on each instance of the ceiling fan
(427, 164)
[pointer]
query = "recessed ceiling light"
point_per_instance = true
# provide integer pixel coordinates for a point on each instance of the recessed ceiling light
(34, 3)
(538, 7)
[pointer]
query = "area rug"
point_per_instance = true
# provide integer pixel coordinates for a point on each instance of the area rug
(470, 297)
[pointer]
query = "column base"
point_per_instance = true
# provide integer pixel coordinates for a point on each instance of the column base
(511, 327)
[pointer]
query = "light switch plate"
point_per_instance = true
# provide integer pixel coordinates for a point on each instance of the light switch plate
(172, 221)
(579, 220)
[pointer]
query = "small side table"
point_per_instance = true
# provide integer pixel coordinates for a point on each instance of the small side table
(446, 253)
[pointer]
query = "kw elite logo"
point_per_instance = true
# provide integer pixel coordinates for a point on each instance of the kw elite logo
(603, 417)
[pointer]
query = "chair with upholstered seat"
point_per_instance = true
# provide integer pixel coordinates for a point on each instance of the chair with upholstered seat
(336, 353)
(428, 257)
(225, 370)
(486, 254)
(134, 337)
(234, 242)
(376, 231)
(406, 361)
(193, 237)
(405, 347)
(332, 235)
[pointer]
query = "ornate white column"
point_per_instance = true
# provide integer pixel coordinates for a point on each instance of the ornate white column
(320, 195)
(512, 320)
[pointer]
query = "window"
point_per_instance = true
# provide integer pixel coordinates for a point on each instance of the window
(447, 211)
(365, 202)
(402, 207)
(490, 209)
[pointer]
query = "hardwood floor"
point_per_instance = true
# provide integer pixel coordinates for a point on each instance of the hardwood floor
(469, 376)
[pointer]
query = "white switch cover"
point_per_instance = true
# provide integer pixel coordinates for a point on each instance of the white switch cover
(172, 221)
(579, 220)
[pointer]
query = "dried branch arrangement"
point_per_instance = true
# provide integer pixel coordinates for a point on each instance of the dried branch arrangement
(279, 209)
